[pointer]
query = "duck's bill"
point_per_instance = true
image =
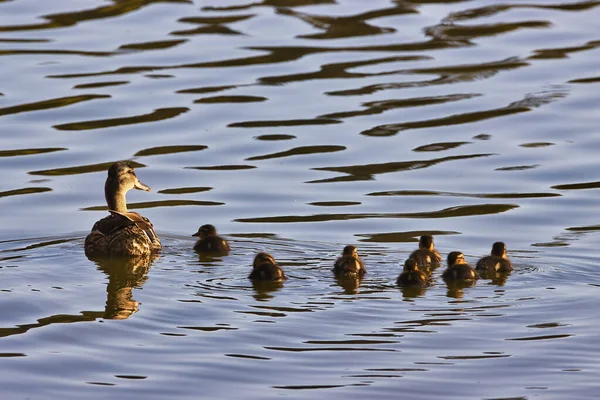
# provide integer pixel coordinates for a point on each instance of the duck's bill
(196, 234)
(141, 186)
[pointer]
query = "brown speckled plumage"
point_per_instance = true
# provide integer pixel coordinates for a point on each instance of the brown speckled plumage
(209, 242)
(497, 261)
(123, 233)
(458, 269)
(264, 268)
(426, 255)
(411, 275)
(349, 264)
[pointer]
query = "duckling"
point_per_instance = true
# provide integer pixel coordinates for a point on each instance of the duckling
(426, 255)
(210, 242)
(265, 268)
(349, 263)
(497, 261)
(411, 275)
(458, 269)
(123, 233)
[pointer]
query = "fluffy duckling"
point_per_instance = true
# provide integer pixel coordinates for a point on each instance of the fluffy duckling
(497, 261)
(426, 255)
(265, 268)
(411, 275)
(349, 264)
(458, 269)
(123, 233)
(210, 242)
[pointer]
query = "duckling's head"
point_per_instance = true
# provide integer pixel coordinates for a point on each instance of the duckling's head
(456, 257)
(350, 251)
(263, 258)
(205, 231)
(499, 249)
(426, 242)
(410, 265)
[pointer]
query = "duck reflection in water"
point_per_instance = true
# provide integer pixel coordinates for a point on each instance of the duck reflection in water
(209, 243)
(124, 274)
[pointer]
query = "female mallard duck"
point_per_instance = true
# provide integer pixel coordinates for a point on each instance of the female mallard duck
(264, 268)
(210, 242)
(122, 233)
(349, 264)
(411, 275)
(497, 261)
(426, 255)
(458, 269)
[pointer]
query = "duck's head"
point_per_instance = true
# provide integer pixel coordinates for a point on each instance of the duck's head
(499, 249)
(121, 178)
(263, 258)
(410, 265)
(456, 257)
(350, 251)
(205, 231)
(426, 242)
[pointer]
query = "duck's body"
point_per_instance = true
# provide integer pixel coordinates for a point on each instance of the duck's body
(426, 255)
(411, 275)
(123, 232)
(349, 264)
(458, 269)
(497, 261)
(210, 242)
(264, 268)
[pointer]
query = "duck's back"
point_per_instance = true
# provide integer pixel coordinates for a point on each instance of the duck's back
(412, 278)
(460, 272)
(212, 244)
(349, 265)
(122, 234)
(267, 272)
(494, 264)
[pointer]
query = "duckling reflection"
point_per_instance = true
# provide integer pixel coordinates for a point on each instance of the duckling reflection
(263, 290)
(348, 283)
(426, 255)
(209, 242)
(456, 288)
(124, 274)
(497, 261)
(349, 264)
(458, 269)
(264, 268)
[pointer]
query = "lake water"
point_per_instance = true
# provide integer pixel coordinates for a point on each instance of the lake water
(297, 127)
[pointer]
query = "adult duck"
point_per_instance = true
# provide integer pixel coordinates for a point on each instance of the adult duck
(123, 232)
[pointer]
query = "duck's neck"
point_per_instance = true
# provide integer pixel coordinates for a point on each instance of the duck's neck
(115, 198)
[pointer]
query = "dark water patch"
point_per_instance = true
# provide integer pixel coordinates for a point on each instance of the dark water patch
(38, 245)
(547, 325)
(52, 103)
(17, 52)
(578, 186)
(545, 337)
(230, 99)
(84, 169)
(590, 228)
(11, 355)
(101, 383)
(334, 203)
(536, 144)
(476, 357)
(594, 79)
(273, 137)
(517, 168)
(349, 342)
(440, 146)
(340, 70)
(563, 52)
(269, 3)
(313, 387)
(173, 334)
(218, 20)
(319, 349)
(378, 107)
(474, 195)
(213, 29)
(451, 212)
(185, 190)
(367, 172)
(134, 377)
(207, 89)
(208, 328)
(453, 31)
(29, 190)
(159, 114)
(23, 40)
(246, 356)
(95, 85)
(62, 20)
(159, 45)
(154, 151)
(161, 203)
(278, 123)
(304, 150)
(85, 316)
(159, 76)
(401, 237)
(223, 167)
